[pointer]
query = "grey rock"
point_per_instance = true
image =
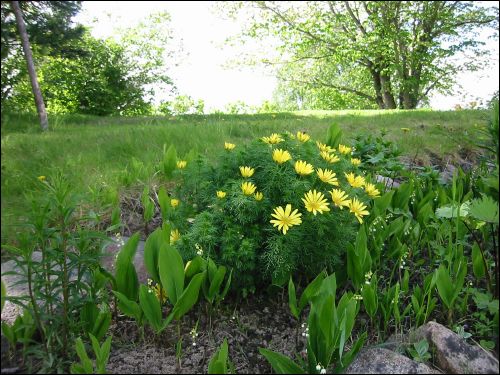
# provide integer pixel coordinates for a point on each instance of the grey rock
(453, 354)
(384, 361)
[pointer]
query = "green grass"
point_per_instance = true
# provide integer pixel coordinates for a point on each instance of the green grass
(93, 151)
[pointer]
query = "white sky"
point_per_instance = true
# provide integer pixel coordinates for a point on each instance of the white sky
(201, 74)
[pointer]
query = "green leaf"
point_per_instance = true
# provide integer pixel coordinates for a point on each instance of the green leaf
(151, 307)
(444, 285)
(126, 276)
(216, 283)
(128, 307)
(104, 356)
(4, 294)
(477, 261)
(169, 161)
(292, 299)
(152, 248)
(77, 368)
(370, 300)
(171, 272)
(194, 266)
(164, 201)
(189, 296)
(381, 203)
(311, 290)
(484, 209)
(226, 287)
(280, 363)
(88, 315)
(334, 135)
(101, 324)
(450, 211)
(84, 358)
(218, 362)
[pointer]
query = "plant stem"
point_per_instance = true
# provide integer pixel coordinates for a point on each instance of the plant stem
(35, 306)
(495, 256)
(65, 289)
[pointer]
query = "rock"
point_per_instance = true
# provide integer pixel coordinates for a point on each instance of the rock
(452, 354)
(387, 181)
(384, 361)
(108, 261)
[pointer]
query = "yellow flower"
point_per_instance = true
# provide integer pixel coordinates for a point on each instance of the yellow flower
(285, 218)
(371, 190)
(174, 236)
(406, 130)
(41, 178)
(344, 149)
(247, 171)
(248, 188)
(327, 176)
(229, 146)
(303, 136)
(329, 157)
(303, 168)
(280, 156)
(258, 196)
(355, 161)
(358, 209)
(315, 202)
(181, 164)
(221, 194)
(339, 198)
(355, 181)
(324, 148)
(273, 139)
(160, 293)
(174, 202)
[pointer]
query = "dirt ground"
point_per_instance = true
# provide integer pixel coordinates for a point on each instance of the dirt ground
(257, 322)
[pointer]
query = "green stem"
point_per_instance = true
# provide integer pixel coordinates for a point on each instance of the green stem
(65, 290)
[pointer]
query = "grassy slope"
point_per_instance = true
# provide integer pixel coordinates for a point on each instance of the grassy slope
(92, 151)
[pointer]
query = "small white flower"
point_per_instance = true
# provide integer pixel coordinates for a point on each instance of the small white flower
(318, 367)
(194, 344)
(323, 371)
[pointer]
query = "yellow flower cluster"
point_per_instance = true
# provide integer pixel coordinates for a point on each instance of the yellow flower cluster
(174, 202)
(280, 156)
(272, 139)
(248, 188)
(303, 168)
(355, 181)
(344, 149)
(247, 171)
(314, 201)
(303, 136)
(174, 236)
(181, 164)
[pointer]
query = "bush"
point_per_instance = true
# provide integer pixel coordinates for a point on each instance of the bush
(235, 227)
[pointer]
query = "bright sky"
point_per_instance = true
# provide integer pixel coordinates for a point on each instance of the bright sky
(201, 74)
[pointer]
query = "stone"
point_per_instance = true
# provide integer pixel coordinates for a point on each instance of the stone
(385, 361)
(453, 354)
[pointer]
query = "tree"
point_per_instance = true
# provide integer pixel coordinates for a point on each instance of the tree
(390, 53)
(51, 33)
(40, 105)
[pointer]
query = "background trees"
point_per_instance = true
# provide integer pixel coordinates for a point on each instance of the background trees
(388, 54)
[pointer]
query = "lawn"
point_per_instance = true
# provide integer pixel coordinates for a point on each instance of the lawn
(92, 151)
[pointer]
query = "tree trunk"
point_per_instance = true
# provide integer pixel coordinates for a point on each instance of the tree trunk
(389, 102)
(40, 105)
(378, 88)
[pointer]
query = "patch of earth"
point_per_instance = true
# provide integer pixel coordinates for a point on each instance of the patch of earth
(258, 322)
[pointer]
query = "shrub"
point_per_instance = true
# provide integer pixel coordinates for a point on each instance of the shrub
(242, 224)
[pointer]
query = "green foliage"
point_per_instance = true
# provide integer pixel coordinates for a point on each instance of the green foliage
(331, 53)
(4, 294)
(358, 259)
(420, 351)
(235, 230)
(152, 248)
(309, 292)
(218, 362)
(334, 135)
(125, 274)
(329, 325)
(168, 164)
(66, 278)
(101, 352)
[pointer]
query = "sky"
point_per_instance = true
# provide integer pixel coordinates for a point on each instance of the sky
(202, 74)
